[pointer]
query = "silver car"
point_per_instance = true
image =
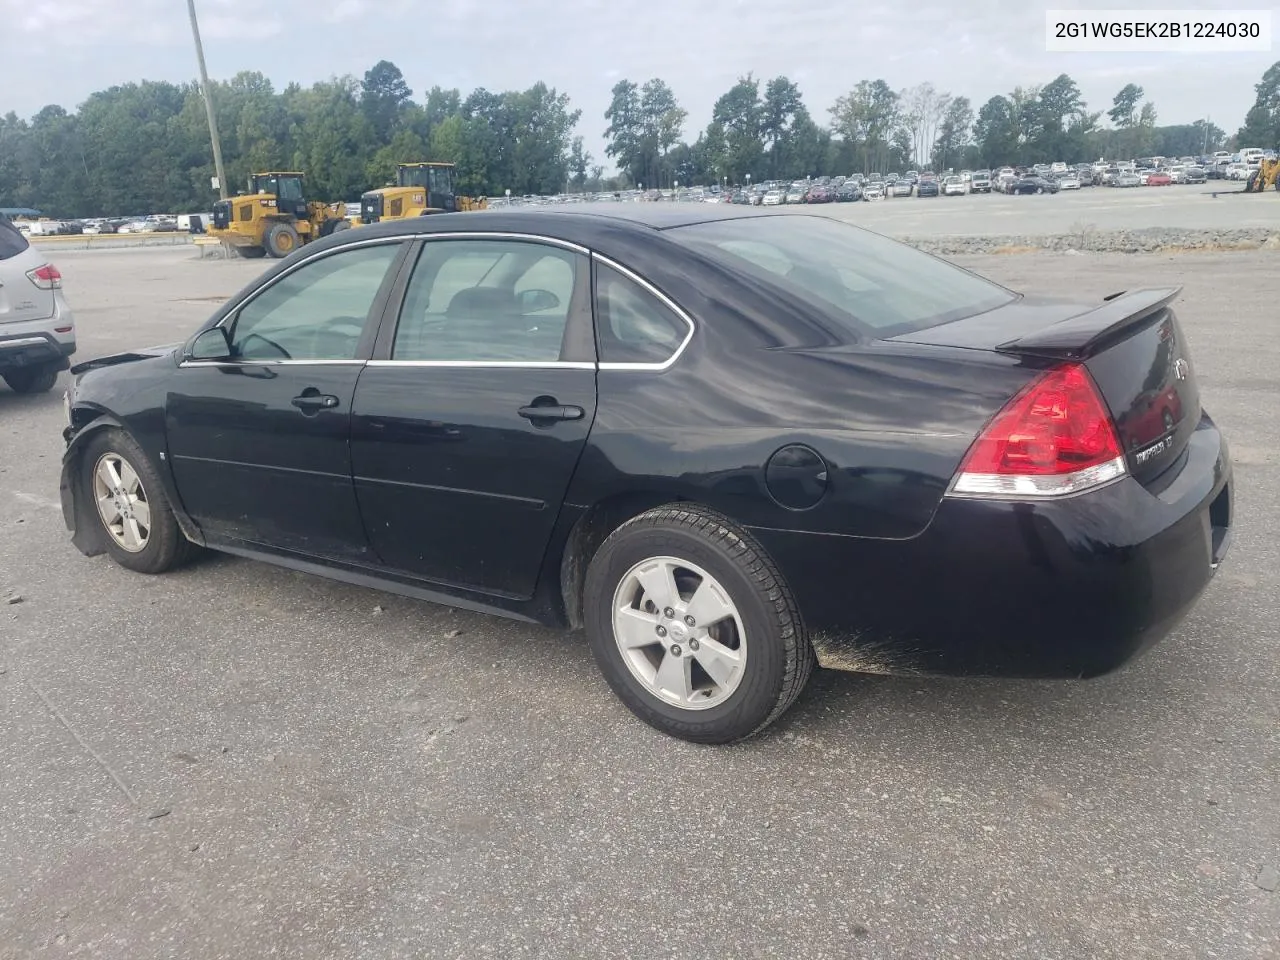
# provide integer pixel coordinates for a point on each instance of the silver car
(37, 332)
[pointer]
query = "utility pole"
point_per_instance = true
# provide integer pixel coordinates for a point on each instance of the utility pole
(208, 104)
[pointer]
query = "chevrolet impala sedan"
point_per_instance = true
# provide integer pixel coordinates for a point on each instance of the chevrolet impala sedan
(727, 444)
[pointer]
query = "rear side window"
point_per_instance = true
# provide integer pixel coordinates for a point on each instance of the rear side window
(484, 301)
(866, 283)
(12, 242)
(633, 325)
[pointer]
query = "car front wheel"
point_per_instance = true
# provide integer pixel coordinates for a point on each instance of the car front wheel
(693, 626)
(139, 529)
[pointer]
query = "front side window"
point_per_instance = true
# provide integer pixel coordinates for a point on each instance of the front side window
(317, 312)
(487, 301)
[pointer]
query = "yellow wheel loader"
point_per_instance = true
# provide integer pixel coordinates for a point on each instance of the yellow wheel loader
(1266, 177)
(421, 188)
(275, 218)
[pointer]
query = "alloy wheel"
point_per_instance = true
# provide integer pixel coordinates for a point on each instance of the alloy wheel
(122, 502)
(679, 633)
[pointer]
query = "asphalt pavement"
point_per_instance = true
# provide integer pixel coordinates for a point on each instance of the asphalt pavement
(238, 761)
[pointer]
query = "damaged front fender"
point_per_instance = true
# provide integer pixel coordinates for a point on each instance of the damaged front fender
(77, 511)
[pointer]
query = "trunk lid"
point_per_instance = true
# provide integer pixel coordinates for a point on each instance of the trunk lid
(1132, 346)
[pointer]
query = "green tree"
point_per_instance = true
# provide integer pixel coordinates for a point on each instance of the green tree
(662, 123)
(1262, 122)
(783, 119)
(1146, 129)
(739, 112)
(953, 134)
(383, 95)
(579, 165)
(1058, 108)
(332, 139)
(996, 132)
(1124, 106)
(405, 147)
(625, 132)
(865, 119)
(1124, 115)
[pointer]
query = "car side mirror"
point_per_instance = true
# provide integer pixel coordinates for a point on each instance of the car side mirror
(211, 344)
(535, 301)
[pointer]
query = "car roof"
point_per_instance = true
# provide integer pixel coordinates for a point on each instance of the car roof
(597, 226)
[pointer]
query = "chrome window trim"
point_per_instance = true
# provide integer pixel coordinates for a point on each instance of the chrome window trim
(510, 364)
(273, 363)
(503, 235)
(666, 301)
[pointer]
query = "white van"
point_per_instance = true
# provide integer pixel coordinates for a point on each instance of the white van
(1251, 154)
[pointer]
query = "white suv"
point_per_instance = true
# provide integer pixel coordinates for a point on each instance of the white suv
(37, 332)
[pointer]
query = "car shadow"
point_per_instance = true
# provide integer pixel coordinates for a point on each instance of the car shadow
(1160, 694)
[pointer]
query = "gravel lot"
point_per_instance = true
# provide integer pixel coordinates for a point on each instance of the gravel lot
(237, 761)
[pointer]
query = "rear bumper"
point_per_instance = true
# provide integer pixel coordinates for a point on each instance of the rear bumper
(1068, 588)
(35, 349)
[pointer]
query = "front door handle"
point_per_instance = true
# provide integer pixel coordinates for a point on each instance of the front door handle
(551, 412)
(315, 402)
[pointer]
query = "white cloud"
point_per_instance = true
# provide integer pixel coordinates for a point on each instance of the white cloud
(582, 47)
(344, 10)
(227, 27)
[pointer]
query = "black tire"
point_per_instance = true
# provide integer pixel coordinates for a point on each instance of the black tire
(779, 657)
(340, 225)
(251, 253)
(32, 379)
(281, 239)
(166, 545)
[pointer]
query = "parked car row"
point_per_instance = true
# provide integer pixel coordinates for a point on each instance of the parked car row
(156, 223)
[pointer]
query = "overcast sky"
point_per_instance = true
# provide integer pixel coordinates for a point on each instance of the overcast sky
(59, 51)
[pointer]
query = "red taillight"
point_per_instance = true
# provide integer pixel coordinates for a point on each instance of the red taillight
(1054, 438)
(46, 277)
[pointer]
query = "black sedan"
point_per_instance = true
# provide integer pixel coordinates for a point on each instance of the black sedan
(1033, 183)
(729, 444)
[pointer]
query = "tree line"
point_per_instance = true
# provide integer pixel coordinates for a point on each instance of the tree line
(144, 147)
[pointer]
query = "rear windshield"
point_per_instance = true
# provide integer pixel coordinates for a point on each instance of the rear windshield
(869, 284)
(12, 242)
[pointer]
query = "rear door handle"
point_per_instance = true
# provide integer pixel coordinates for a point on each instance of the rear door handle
(550, 412)
(312, 402)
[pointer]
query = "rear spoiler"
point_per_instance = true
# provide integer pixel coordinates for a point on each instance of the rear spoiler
(1085, 334)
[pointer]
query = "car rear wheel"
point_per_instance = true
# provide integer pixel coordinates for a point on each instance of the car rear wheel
(139, 529)
(693, 627)
(32, 379)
